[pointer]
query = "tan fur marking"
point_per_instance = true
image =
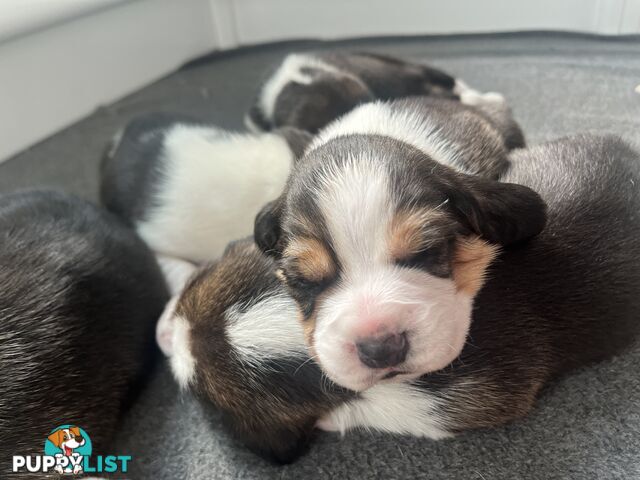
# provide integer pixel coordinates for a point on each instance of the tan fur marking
(311, 258)
(472, 257)
(407, 232)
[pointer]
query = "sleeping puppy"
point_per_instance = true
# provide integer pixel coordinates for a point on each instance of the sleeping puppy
(566, 298)
(385, 229)
(80, 297)
(234, 340)
(384, 239)
(309, 90)
(189, 187)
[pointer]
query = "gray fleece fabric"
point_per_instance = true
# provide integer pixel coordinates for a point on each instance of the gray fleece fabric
(586, 426)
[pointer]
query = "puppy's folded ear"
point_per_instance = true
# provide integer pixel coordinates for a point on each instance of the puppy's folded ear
(296, 138)
(502, 213)
(267, 230)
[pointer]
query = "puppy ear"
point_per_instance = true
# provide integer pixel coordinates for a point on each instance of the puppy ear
(56, 438)
(267, 228)
(296, 138)
(502, 213)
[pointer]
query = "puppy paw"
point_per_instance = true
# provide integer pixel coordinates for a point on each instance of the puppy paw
(327, 424)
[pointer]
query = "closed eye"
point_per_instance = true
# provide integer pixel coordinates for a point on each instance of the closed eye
(434, 259)
(417, 260)
(298, 282)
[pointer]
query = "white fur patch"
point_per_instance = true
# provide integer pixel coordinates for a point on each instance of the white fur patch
(472, 97)
(356, 205)
(182, 362)
(214, 184)
(173, 338)
(392, 408)
(268, 329)
(408, 126)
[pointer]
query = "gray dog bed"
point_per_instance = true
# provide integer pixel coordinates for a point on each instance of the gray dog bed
(586, 426)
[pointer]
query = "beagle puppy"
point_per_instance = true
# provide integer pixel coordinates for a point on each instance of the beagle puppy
(238, 338)
(309, 90)
(189, 187)
(385, 238)
(80, 297)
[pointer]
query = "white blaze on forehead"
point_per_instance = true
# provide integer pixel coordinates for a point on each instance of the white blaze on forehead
(183, 364)
(407, 125)
(357, 205)
(269, 328)
(290, 70)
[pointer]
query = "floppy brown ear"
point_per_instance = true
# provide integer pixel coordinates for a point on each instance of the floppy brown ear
(56, 438)
(502, 213)
(267, 228)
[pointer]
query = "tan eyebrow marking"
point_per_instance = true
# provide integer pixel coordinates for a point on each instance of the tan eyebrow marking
(472, 257)
(311, 258)
(407, 231)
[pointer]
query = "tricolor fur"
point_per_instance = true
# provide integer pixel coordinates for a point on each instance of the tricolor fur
(309, 90)
(386, 228)
(189, 187)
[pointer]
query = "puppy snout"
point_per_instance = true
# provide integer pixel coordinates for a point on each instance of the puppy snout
(383, 352)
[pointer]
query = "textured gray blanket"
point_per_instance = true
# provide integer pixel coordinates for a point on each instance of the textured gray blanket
(587, 426)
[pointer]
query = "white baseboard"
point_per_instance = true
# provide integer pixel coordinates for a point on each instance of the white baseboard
(56, 76)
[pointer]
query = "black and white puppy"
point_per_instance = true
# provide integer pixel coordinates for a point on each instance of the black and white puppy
(309, 90)
(80, 295)
(384, 240)
(566, 298)
(189, 187)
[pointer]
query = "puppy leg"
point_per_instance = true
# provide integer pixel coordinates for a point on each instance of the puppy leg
(494, 106)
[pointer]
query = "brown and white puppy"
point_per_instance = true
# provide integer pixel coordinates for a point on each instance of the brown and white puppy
(384, 240)
(235, 340)
(309, 90)
(566, 298)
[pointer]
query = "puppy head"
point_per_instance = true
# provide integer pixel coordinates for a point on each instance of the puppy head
(384, 249)
(234, 339)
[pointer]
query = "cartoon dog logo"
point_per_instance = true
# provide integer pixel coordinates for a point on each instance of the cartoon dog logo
(67, 439)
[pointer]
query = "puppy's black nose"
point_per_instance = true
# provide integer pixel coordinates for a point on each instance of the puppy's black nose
(384, 351)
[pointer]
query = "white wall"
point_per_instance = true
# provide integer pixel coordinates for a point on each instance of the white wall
(19, 17)
(53, 77)
(60, 59)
